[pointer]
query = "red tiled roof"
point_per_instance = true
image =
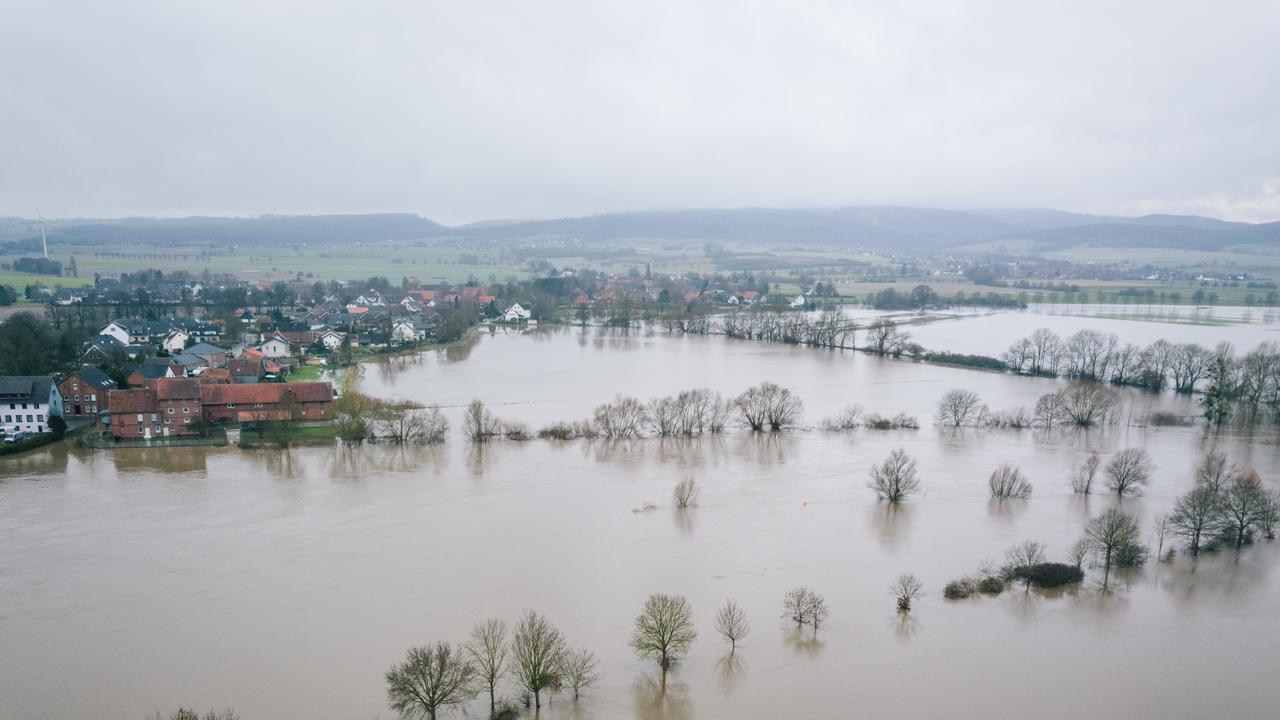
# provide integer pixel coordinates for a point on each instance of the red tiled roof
(177, 388)
(134, 400)
(265, 393)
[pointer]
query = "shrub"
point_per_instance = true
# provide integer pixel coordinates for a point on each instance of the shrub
(1048, 575)
(1167, 419)
(976, 361)
(897, 422)
(960, 589)
(991, 585)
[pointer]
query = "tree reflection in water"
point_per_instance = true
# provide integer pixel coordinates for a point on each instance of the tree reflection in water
(655, 700)
(891, 521)
(803, 641)
(729, 671)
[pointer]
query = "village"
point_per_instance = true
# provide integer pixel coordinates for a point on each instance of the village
(190, 358)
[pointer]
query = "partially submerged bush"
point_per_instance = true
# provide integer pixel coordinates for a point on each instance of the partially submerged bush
(901, 421)
(991, 585)
(1047, 574)
(1007, 481)
(960, 589)
(1167, 419)
(847, 419)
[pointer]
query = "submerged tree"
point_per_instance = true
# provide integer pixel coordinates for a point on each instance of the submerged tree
(1215, 471)
(768, 407)
(537, 652)
(580, 670)
(1129, 471)
(1083, 474)
(479, 424)
(958, 407)
(489, 652)
(805, 607)
(1242, 503)
(1020, 559)
(895, 478)
(731, 623)
(1116, 539)
(906, 589)
(1007, 481)
(664, 630)
(685, 494)
(1195, 515)
(431, 678)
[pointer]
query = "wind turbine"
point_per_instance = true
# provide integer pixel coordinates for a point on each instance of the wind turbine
(44, 242)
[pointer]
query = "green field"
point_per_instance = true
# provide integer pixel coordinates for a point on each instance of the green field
(19, 280)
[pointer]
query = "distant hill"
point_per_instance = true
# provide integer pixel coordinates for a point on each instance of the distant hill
(882, 227)
(262, 230)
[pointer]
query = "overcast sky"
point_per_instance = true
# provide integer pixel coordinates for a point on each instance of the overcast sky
(468, 110)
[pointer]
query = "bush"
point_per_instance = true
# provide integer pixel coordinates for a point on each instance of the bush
(1048, 575)
(897, 422)
(960, 589)
(1167, 419)
(976, 361)
(991, 585)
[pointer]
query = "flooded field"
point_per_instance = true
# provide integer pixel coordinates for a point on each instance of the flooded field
(285, 583)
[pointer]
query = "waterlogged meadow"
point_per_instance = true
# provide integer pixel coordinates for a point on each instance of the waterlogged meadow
(287, 582)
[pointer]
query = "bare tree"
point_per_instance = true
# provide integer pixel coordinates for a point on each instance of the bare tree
(537, 652)
(625, 417)
(895, 478)
(1242, 501)
(479, 424)
(1195, 514)
(1021, 558)
(847, 419)
(1215, 471)
(580, 670)
(1161, 528)
(1129, 471)
(959, 407)
(1113, 535)
(906, 589)
(805, 607)
(1048, 410)
(768, 407)
(489, 652)
(1079, 552)
(664, 630)
(731, 623)
(1086, 403)
(411, 427)
(431, 678)
(685, 494)
(1083, 474)
(1269, 514)
(1007, 481)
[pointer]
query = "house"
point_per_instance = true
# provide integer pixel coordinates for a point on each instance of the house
(177, 401)
(175, 340)
(798, 301)
(84, 392)
(246, 369)
(107, 350)
(213, 355)
(27, 402)
(331, 339)
(516, 313)
(151, 369)
(403, 332)
(267, 401)
(185, 364)
(275, 347)
(215, 375)
(134, 413)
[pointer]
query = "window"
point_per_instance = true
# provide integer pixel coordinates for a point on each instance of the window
(93, 397)
(8, 418)
(77, 398)
(139, 417)
(75, 387)
(139, 429)
(186, 421)
(186, 410)
(29, 419)
(24, 406)
(153, 417)
(40, 418)
(171, 410)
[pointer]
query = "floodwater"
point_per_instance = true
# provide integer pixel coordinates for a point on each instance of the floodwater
(285, 583)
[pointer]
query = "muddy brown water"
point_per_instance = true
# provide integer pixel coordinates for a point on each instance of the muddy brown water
(285, 583)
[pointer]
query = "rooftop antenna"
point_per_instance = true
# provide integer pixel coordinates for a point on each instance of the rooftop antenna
(44, 242)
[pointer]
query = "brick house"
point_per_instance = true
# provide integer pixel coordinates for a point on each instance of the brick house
(84, 392)
(178, 403)
(258, 402)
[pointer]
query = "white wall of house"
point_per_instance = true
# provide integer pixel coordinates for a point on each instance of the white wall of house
(116, 331)
(30, 417)
(175, 341)
(275, 348)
